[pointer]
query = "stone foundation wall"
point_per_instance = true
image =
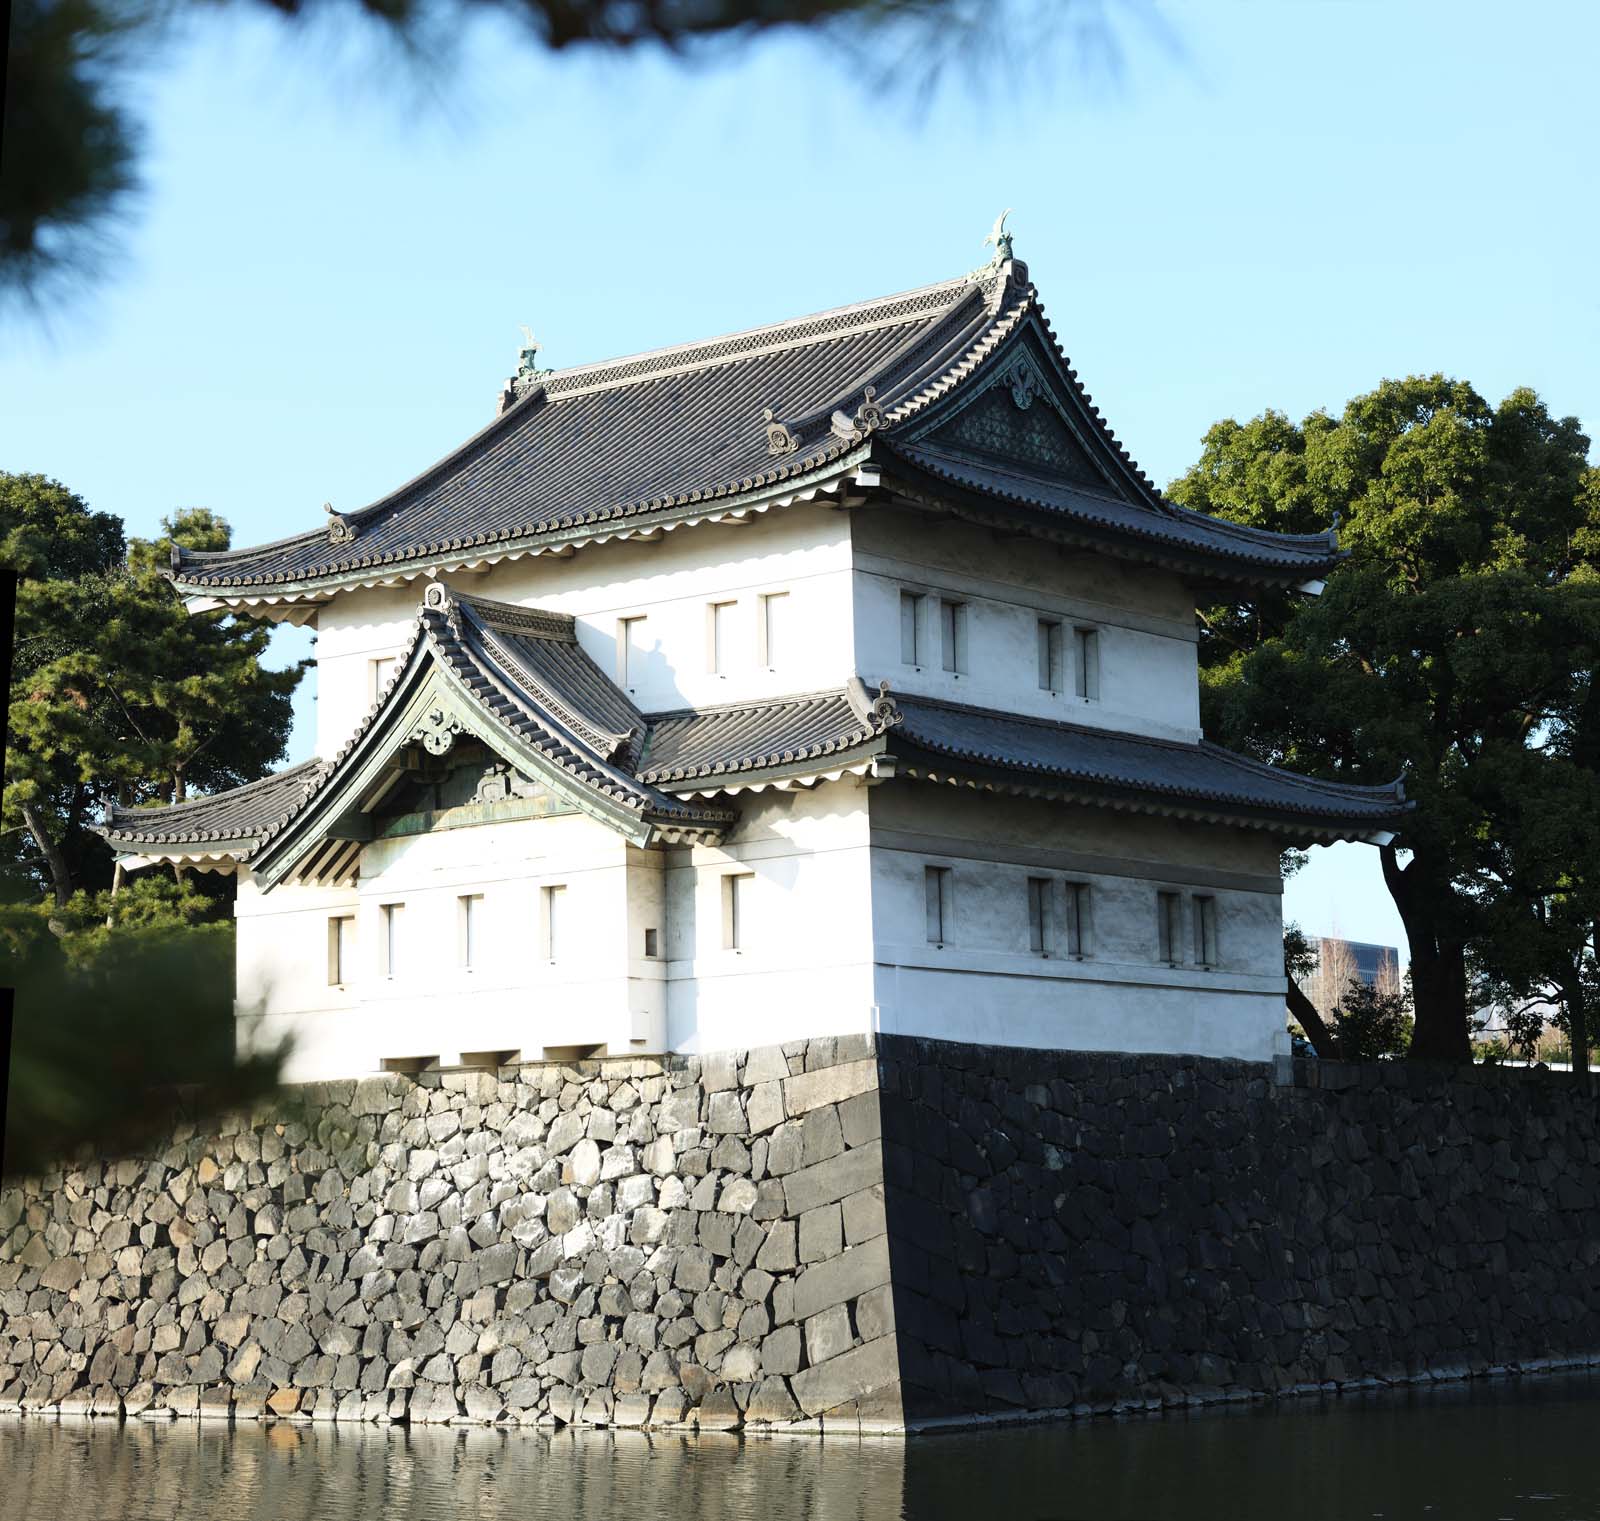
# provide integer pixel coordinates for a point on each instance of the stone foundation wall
(616, 1242)
(817, 1236)
(1078, 1231)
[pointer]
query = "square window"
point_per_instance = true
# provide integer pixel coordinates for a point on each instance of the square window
(469, 917)
(1086, 657)
(736, 893)
(911, 627)
(380, 673)
(719, 636)
(772, 630)
(1049, 655)
(1169, 929)
(630, 651)
(953, 635)
(341, 949)
(1205, 931)
(1039, 915)
(554, 930)
(1077, 906)
(390, 917)
(937, 886)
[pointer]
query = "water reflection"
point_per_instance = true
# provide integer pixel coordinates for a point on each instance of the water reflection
(1480, 1453)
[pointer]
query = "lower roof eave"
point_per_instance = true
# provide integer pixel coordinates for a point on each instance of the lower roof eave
(903, 482)
(1295, 828)
(864, 760)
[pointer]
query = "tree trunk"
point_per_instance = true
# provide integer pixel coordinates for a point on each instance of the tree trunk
(1438, 961)
(1577, 1020)
(60, 876)
(1323, 1041)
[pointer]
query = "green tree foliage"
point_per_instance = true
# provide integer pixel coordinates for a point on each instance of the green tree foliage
(125, 1011)
(1456, 644)
(1370, 1023)
(117, 691)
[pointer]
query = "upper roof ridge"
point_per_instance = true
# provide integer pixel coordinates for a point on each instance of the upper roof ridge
(747, 343)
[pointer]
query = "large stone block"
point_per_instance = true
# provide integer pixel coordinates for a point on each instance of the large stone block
(824, 1182)
(829, 1085)
(871, 1367)
(844, 1277)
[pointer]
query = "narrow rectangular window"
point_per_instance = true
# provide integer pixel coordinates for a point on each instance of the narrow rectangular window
(341, 949)
(1039, 915)
(1077, 904)
(1169, 931)
(381, 671)
(911, 628)
(936, 881)
(555, 916)
(736, 890)
(770, 633)
(1205, 931)
(651, 938)
(1049, 655)
(391, 913)
(953, 632)
(630, 651)
(719, 636)
(1086, 656)
(469, 916)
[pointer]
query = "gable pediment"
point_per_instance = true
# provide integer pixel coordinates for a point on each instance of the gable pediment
(1022, 416)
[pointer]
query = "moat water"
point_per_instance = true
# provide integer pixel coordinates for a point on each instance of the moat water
(1520, 1451)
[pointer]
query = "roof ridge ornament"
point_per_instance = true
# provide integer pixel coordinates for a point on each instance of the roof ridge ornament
(868, 417)
(528, 378)
(436, 595)
(881, 712)
(1000, 238)
(340, 529)
(781, 439)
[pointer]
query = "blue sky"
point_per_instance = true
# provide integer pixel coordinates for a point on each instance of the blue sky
(1276, 205)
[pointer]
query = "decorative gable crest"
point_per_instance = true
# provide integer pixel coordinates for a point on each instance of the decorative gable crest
(1019, 418)
(438, 730)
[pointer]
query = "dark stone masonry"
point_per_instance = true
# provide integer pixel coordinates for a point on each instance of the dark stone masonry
(819, 1236)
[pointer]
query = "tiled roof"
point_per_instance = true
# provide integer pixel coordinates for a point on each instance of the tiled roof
(715, 742)
(240, 816)
(696, 751)
(610, 442)
(523, 667)
(1177, 528)
(610, 448)
(1201, 775)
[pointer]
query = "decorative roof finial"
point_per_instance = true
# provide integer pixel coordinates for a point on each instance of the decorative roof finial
(528, 354)
(1000, 238)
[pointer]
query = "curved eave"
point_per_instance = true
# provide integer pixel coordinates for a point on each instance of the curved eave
(217, 855)
(826, 474)
(924, 488)
(1297, 827)
(824, 765)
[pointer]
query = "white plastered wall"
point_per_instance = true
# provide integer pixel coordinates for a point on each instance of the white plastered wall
(802, 552)
(1144, 619)
(834, 937)
(985, 983)
(804, 965)
(594, 987)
